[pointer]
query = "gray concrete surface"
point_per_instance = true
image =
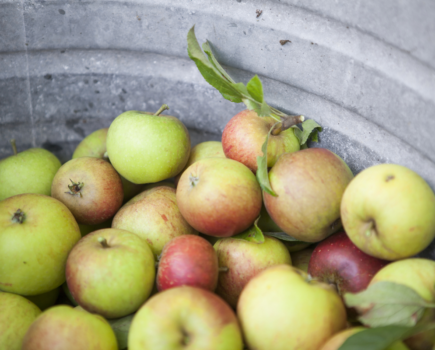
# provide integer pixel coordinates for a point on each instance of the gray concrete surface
(363, 69)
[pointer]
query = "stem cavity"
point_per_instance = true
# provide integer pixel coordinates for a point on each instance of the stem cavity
(103, 242)
(75, 188)
(18, 217)
(14, 146)
(287, 122)
(161, 109)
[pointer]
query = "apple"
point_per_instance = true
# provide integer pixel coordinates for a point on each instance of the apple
(208, 149)
(90, 188)
(388, 212)
(44, 300)
(147, 148)
(16, 315)
(36, 234)
(309, 185)
(245, 133)
(282, 308)
(31, 171)
(219, 197)
(338, 339)
(244, 260)
(337, 261)
(301, 258)
(188, 260)
(185, 317)
(418, 274)
(63, 327)
(154, 216)
(94, 145)
(110, 272)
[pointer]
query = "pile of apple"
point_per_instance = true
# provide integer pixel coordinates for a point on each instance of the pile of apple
(141, 241)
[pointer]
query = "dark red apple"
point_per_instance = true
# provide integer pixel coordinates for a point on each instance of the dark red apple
(90, 188)
(188, 260)
(336, 260)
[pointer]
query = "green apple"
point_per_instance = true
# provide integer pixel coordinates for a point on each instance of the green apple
(147, 148)
(309, 185)
(282, 308)
(66, 328)
(219, 197)
(154, 216)
(185, 317)
(31, 171)
(418, 274)
(110, 272)
(16, 315)
(94, 145)
(338, 339)
(44, 300)
(245, 133)
(244, 260)
(36, 234)
(208, 149)
(388, 212)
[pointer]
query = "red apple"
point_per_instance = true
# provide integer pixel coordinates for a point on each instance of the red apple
(309, 185)
(188, 260)
(90, 187)
(246, 132)
(336, 260)
(219, 197)
(244, 260)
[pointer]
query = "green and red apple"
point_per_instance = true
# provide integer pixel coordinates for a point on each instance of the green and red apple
(185, 317)
(110, 272)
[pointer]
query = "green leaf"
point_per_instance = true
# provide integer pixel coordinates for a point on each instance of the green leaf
(382, 338)
(207, 49)
(255, 88)
(209, 72)
(283, 236)
(310, 131)
(262, 174)
(387, 303)
(121, 327)
(252, 234)
(265, 110)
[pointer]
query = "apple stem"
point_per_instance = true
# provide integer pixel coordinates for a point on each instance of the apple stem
(14, 146)
(18, 217)
(161, 109)
(103, 242)
(287, 123)
(223, 269)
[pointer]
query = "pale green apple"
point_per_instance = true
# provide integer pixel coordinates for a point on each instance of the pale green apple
(110, 272)
(16, 315)
(44, 300)
(31, 171)
(281, 308)
(36, 234)
(208, 149)
(146, 148)
(388, 211)
(154, 216)
(185, 317)
(94, 145)
(244, 260)
(418, 274)
(338, 339)
(66, 328)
